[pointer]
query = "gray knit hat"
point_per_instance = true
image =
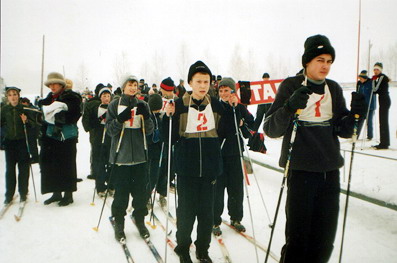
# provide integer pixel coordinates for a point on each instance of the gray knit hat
(129, 78)
(55, 77)
(228, 82)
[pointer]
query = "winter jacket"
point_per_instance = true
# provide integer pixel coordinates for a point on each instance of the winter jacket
(366, 89)
(196, 154)
(155, 139)
(93, 124)
(316, 147)
(12, 123)
(229, 143)
(380, 85)
(132, 147)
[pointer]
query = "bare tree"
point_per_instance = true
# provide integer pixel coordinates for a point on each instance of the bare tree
(121, 68)
(238, 68)
(183, 60)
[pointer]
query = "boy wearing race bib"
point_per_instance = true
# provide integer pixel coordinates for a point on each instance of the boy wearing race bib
(197, 126)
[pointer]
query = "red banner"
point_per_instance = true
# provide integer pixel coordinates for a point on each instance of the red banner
(261, 91)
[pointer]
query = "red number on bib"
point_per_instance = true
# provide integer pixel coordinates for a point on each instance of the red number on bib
(201, 127)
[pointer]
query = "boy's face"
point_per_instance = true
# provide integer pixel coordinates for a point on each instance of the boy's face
(105, 98)
(319, 67)
(13, 97)
(225, 92)
(200, 84)
(167, 94)
(376, 71)
(55, 88)
(131, 88)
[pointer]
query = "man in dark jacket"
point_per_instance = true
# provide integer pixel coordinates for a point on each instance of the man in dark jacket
(380, 85)
(197, 127)
(312, 204)
(364, 86)
(232, 177)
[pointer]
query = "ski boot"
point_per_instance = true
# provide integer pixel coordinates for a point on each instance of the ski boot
(56, 196)
(216, 230)
(203, 256)
(183, 254)
(143, 231)
(119, 229)
(102, 194)
(237, 225)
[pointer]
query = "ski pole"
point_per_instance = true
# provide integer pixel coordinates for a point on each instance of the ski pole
(354, 139)
(286, 170)
(365, 126)
(30, 156)
(245, 184)
(168, 180)
(110, 176)
(101, 150)
(257, 183)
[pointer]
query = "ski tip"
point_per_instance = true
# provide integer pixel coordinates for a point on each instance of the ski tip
(17, 218)
(95, 229)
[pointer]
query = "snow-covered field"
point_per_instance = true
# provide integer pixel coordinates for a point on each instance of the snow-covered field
(64, 234)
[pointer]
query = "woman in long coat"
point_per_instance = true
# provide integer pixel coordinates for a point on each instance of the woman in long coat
(61, 110)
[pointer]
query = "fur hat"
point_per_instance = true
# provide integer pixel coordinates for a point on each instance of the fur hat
(199, 66)
(363, 74)
(129, 78)
(167, 84)
(12, 88)
(55, 77)
(98, 88)
(228, 82)
(155, 102)
(315, 46)
(378, 65)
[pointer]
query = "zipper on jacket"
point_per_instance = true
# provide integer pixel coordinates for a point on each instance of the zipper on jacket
(201, 159)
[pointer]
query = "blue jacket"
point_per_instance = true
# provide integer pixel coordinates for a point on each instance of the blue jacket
(366, 89)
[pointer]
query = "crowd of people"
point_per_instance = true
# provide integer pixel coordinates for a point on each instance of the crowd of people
(136, 132)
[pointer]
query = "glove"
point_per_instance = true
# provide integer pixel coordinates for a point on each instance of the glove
(358, 104)
(141, 109)
(257, 143)
(124, 115)
(298, 99)
(102, 117)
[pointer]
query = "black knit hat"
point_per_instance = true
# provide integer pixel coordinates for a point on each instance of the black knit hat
(167, 84)
(155, 102)
(363, 74)
(265, 75)
(219, 78)
(315, 46)
(109, 85)
(98, 88)
(199, 66)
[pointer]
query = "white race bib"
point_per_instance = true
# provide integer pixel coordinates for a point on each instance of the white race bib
(200, 121)
(102, 111)
(134, 122)
(318, 108)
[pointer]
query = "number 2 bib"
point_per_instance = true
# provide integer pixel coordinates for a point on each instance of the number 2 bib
(200, 121)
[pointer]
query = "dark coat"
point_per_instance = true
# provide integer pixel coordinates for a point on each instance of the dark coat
(366, 89)
(316, 148)
(58, 158)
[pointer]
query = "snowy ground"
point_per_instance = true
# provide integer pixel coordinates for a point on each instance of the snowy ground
(64, 234)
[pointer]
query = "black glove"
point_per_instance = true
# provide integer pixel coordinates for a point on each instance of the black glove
(124, 115)
(141, 109)
(298, 99)
(358, 104)
(102, 117)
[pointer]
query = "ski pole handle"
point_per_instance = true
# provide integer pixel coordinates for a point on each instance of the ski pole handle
(354, 136)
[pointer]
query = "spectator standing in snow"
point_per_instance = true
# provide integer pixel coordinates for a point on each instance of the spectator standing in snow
(380, 85)
(61, 109)
(312, 204)
(180, 89)
(232, 177)
(13, 119)
(197, 126)
(127, 120)
(364, 86)
(262, 108)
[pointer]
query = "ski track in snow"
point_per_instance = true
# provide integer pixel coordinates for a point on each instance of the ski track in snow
(64, 234)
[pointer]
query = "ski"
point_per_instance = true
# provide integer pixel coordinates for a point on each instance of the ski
(169, 215)
(151, 246)
(170, 243)
(223, 248)
(20, 211)
(4, 209)
(252, 240)
(123, 244)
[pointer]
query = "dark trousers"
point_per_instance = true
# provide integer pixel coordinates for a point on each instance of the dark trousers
(158, 175)
(384, 106)
(260, 114)
(130, 180)
(195, 200)
(99, 160)
(16, 153)
(233, 180)
(312, 209)
(370, 126)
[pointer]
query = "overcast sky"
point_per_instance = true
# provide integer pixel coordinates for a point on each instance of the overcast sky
(91, 35)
